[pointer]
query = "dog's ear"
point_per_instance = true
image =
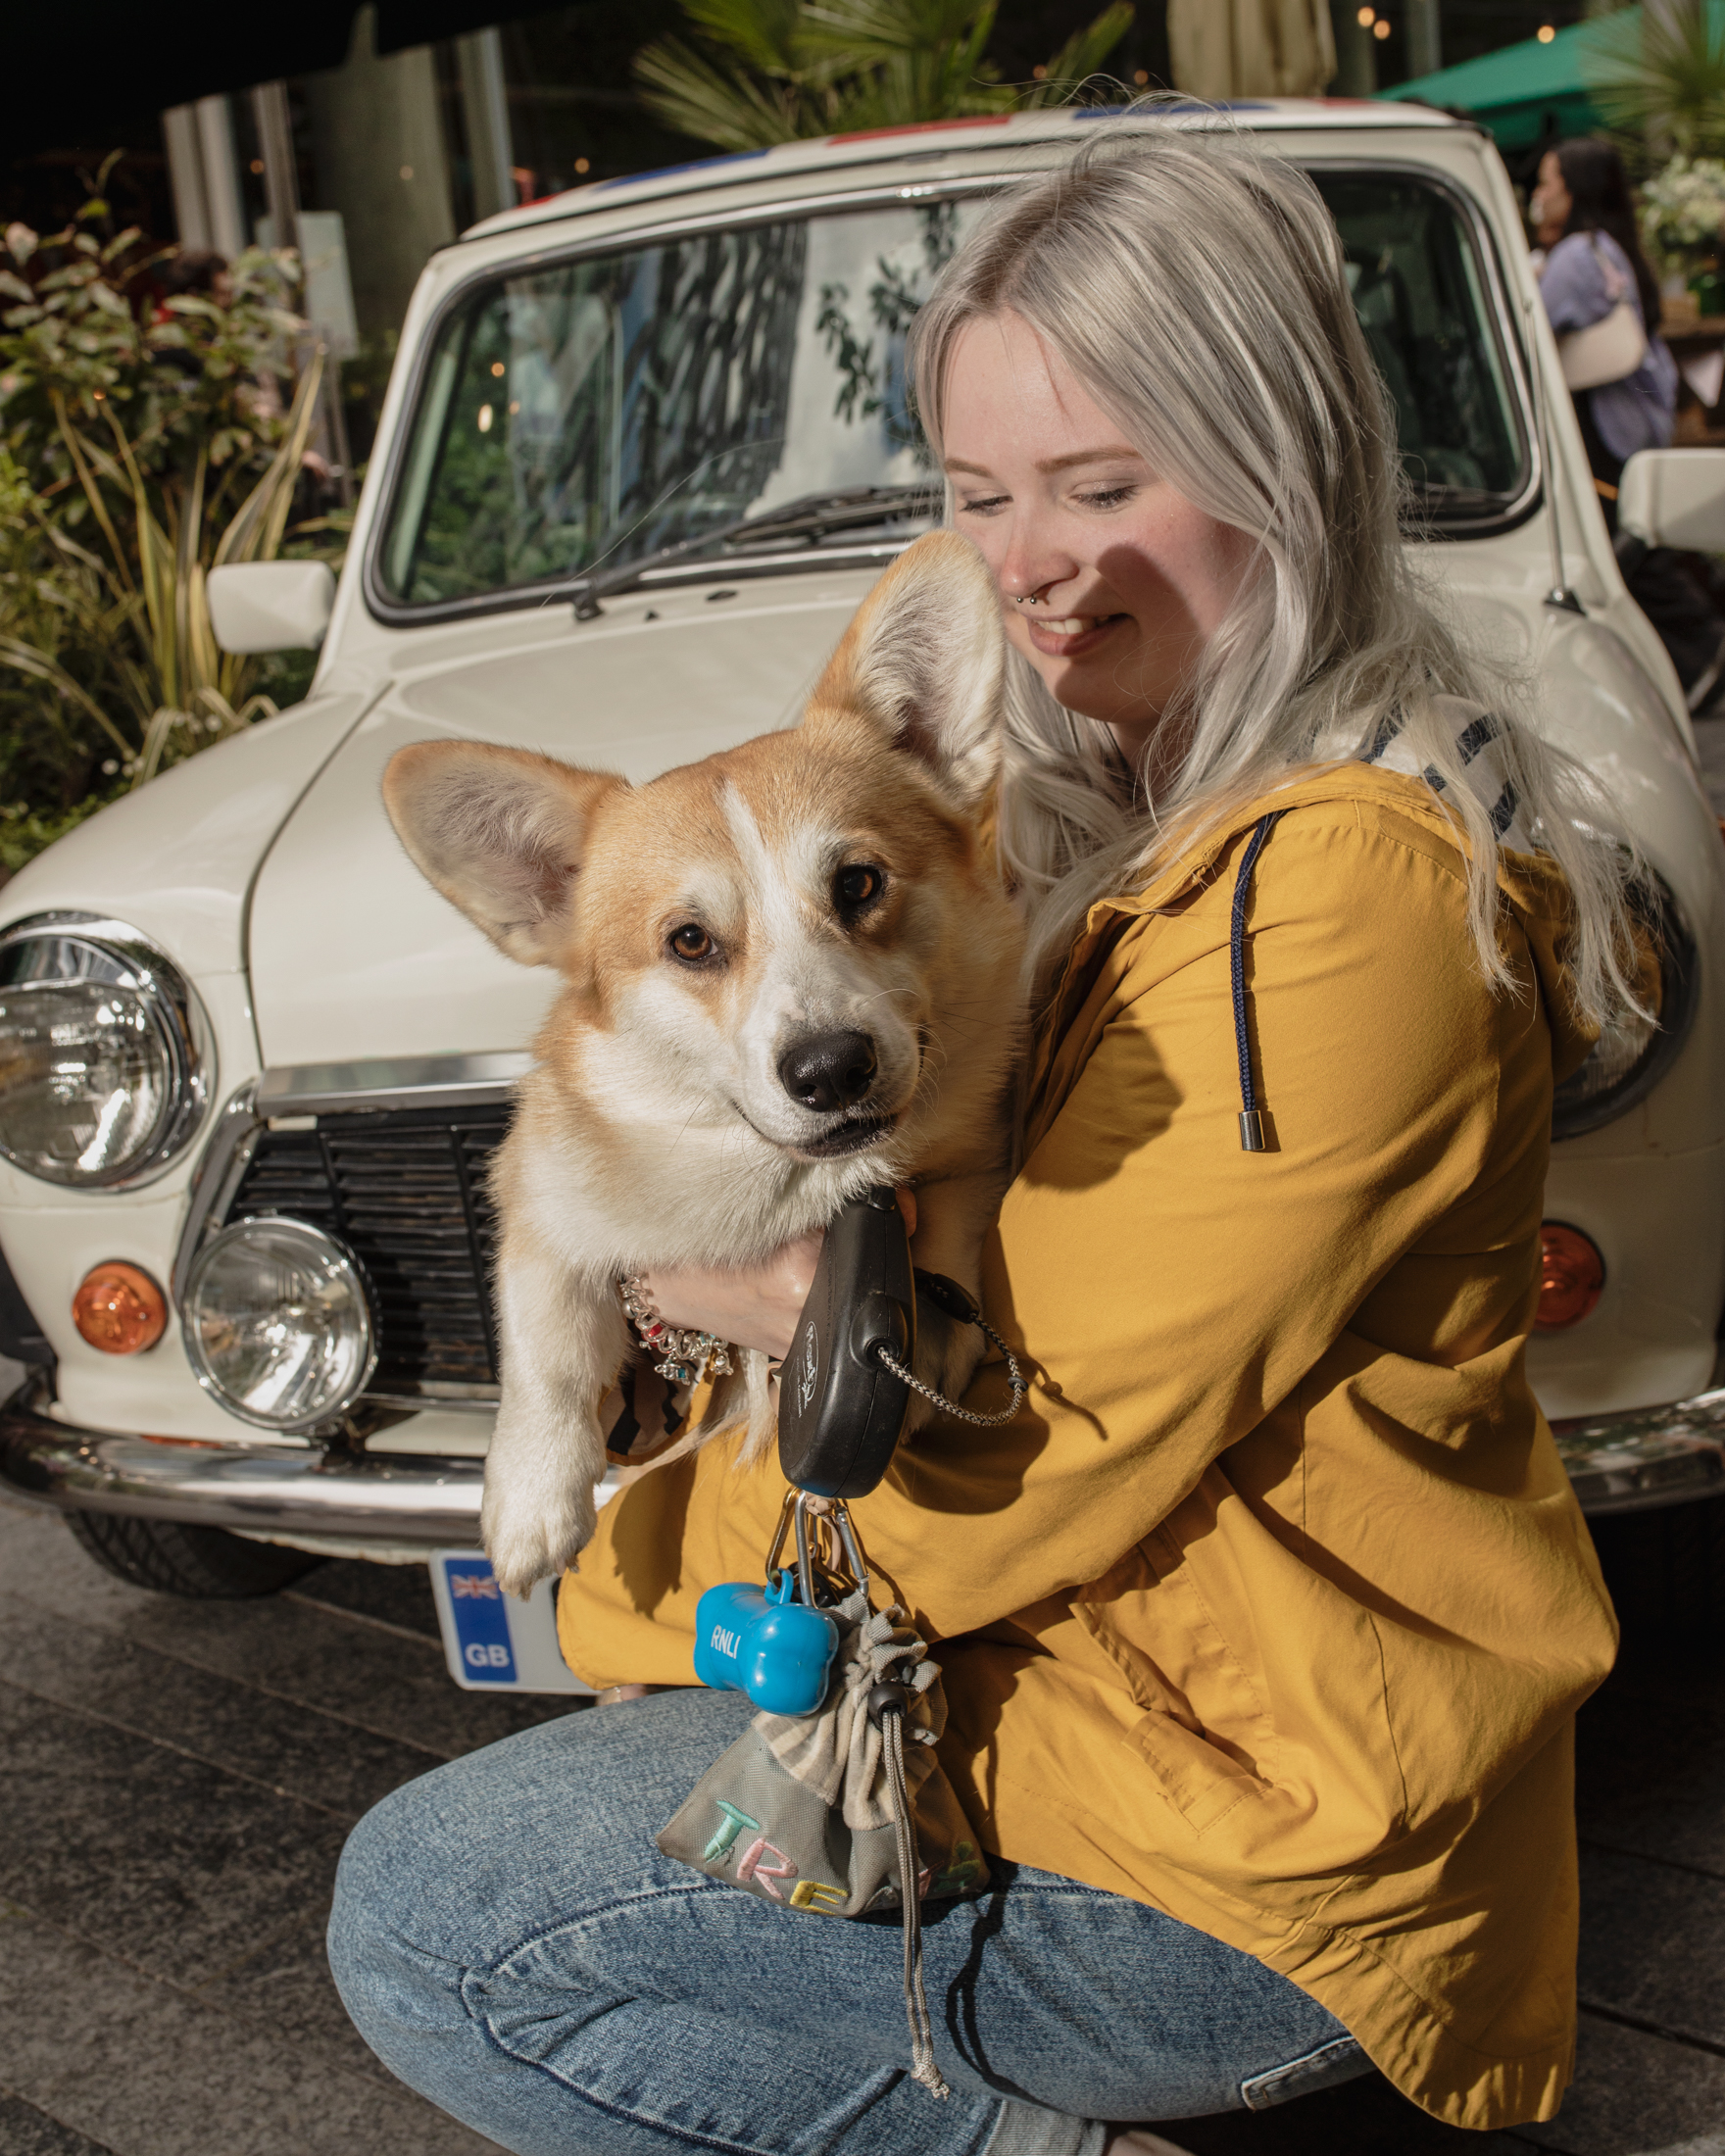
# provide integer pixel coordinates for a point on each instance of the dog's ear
(500, 832)
(924, 660)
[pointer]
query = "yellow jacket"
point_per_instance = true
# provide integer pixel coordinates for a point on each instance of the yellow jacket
(1273, 1607)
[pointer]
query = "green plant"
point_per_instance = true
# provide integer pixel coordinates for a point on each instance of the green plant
(777, 70)
(190, 374)
(143, 591)
(50, 748)
(142, 441)
(1658, 77)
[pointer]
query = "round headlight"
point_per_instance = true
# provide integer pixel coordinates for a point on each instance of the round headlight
(277, 1325)
(102, 1056)
(1632, 1054)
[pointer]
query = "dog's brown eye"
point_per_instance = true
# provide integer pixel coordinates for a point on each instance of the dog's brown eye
(858, 886)
(691, 942)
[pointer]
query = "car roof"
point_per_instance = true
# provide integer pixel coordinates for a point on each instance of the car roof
(988, 130)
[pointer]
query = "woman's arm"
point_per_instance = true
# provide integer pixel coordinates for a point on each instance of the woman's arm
(1574, 287)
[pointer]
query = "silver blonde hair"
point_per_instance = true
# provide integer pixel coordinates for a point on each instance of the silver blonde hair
(1196, 286)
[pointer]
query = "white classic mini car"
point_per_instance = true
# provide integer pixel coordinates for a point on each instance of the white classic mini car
(645, 449)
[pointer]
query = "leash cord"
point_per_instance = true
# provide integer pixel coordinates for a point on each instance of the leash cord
(1015, 1378)
(923, 2066)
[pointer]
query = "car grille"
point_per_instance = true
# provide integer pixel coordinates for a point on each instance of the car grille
(405, 1192)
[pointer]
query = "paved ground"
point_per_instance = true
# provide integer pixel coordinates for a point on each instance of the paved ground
(177, 1778)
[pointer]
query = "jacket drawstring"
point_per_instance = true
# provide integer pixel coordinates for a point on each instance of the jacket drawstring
(1251, 1137)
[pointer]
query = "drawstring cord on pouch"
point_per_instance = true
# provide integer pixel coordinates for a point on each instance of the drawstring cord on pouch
(1252, 1132)
(886, 1710)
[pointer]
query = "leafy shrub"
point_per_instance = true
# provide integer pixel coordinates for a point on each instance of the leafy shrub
(143, 440)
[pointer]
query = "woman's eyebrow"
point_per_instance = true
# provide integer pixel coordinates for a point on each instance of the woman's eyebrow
(1112, 455)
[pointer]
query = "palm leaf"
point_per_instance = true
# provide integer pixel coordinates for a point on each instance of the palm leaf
(1658, 77)
(766, 34)
(695, 96)
(1082, 55)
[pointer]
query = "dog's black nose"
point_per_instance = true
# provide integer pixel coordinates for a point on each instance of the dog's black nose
(828, 1070)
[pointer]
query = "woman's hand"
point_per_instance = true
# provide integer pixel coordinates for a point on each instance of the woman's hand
(750, 1306)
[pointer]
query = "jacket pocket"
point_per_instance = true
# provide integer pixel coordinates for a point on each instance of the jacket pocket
(1199, 1778)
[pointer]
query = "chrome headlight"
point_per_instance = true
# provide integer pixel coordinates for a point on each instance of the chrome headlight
(278, 1324)
(105, 1056)
(1632, 1054)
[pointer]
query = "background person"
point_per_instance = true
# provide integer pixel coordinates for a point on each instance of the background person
(1264, 1623)
(1583, 219)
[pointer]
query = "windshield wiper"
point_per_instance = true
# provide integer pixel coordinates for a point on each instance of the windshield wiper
(809, 517)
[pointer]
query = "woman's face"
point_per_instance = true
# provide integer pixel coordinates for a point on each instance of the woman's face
(1113, 581)
(1550, 202)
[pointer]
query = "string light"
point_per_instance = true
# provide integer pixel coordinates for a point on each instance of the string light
(1545, 33)
(1380, 29)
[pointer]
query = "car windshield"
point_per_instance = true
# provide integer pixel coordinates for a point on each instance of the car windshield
(579, 416)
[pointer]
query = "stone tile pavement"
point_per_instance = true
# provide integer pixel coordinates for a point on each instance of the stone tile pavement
(176, 1779)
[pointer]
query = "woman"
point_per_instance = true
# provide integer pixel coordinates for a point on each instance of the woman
(1583, 216)
(1265, 1624)
(1583, 219)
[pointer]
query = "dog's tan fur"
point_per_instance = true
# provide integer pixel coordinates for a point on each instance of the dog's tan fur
(653, 1129)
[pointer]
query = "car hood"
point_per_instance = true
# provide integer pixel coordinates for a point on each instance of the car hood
(354, 956)
(177, 859)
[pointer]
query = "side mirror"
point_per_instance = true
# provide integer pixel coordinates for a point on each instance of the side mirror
(1674, 498)
(270, 605)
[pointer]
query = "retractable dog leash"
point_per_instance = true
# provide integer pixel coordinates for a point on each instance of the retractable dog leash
(844, 1398)
(845, 1388)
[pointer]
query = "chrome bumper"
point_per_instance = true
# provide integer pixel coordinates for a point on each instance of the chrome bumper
(1624, 1464)
(269, 1490)
(1662, 1456)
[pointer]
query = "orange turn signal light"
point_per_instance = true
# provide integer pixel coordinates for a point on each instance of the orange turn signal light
(119, 1308)
(1572, 1274)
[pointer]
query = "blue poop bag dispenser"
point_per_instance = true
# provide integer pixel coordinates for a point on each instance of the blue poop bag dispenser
(760, 1642)
(777, 1643)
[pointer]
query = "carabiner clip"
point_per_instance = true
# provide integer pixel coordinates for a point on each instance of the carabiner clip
(829, 1516)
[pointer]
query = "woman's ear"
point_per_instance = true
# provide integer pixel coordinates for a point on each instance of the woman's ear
(500, 832)
(924, 661)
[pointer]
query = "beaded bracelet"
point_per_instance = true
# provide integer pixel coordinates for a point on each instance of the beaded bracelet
(689, 1357)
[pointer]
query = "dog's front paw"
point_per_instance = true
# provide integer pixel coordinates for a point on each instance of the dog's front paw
(530, 1536)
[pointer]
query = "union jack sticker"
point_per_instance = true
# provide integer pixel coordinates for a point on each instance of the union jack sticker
(482, 1586)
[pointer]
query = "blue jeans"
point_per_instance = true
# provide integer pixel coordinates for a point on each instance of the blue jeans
(510, 1943)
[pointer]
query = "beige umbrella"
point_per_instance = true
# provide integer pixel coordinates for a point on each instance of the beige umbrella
(1250, 48)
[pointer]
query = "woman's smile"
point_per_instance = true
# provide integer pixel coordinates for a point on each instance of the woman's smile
(1075, 636)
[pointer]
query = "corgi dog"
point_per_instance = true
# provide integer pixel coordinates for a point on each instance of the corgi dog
(789, 972)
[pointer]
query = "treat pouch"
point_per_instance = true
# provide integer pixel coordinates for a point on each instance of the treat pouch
(799, 1810)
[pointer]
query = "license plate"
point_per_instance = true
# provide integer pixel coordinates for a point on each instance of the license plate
(491, 1642)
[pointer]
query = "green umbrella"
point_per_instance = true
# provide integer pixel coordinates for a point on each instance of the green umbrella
(1523, 93)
